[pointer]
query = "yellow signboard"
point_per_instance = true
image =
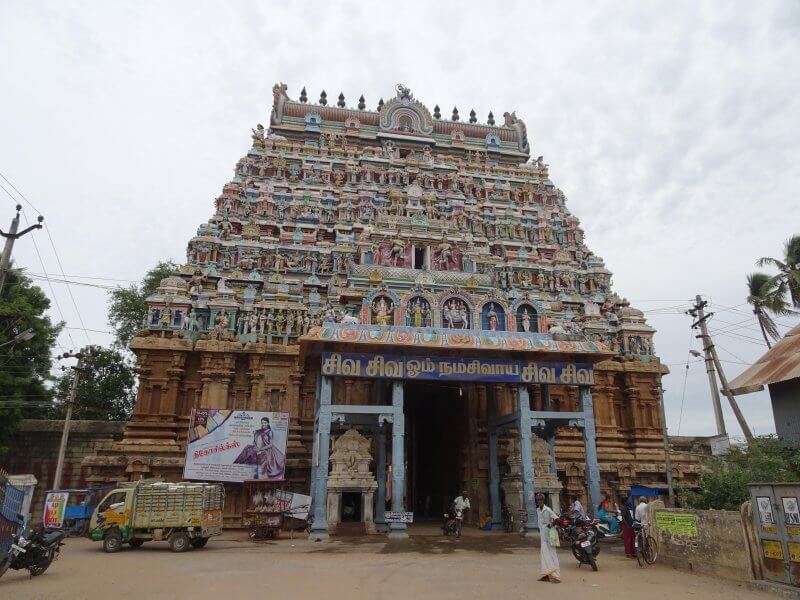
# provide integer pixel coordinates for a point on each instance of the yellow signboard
(793, 530)
(772, 549)
(771, 529)
(794, 552)
(677, 527)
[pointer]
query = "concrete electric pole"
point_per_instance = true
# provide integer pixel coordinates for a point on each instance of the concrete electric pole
(11, 237)
(73, 391)
(712, 361)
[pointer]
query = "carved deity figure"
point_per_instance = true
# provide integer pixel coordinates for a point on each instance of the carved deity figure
(394, 253)
(258, 136)
(382, 311)
(526, 320)
(491, 317)
(455, 314)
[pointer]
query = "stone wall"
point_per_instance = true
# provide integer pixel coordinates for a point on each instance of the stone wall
(34, 449)
(719, 548)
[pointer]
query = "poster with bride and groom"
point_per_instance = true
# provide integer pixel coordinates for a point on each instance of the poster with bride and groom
(236, 445)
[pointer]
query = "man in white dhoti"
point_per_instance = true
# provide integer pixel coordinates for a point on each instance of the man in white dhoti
(549, 559)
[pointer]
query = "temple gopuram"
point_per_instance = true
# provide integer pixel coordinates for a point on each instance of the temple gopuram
(413, 290)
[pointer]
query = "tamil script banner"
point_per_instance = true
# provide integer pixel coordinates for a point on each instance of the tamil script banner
(235, 445)
(390, 366)
(54, 505)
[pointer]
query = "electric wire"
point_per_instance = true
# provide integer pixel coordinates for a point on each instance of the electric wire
(55, 252)
(44, 270)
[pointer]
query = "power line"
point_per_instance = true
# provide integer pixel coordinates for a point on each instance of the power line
(39, 255)
(69, 289)
(55, 252)
(20, 194)
(98, 278)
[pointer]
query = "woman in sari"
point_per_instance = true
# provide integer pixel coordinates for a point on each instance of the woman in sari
(270, 462)
(549, 559)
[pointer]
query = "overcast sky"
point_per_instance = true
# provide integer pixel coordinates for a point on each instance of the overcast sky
(673, 129)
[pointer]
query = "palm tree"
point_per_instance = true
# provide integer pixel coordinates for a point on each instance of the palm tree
(789, 268)
(767, 294)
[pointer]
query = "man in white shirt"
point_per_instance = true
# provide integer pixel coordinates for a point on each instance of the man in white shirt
(576, 508)
(462, 502)
(641, 510)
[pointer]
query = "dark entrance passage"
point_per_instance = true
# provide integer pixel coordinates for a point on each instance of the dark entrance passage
(436, 432)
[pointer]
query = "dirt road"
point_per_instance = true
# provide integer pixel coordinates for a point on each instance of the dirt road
(480, 565)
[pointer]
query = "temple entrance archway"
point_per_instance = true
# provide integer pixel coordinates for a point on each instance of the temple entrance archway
(436, 436)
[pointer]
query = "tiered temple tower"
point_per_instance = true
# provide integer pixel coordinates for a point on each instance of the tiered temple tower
(395, 217)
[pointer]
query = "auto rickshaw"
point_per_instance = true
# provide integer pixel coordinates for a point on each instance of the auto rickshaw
(80, 506)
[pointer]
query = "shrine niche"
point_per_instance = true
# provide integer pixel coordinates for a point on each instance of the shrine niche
(351, 480)
(456, 313)
(545, 480)
(418, 312)
(527, 320)
(493, 317)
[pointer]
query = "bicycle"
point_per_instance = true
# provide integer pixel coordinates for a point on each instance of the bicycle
(646, 548)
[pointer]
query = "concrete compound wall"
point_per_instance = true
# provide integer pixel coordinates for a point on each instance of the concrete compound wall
(719, 548)
(34, 449)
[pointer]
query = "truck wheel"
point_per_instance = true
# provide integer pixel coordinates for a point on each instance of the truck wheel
(179, 542)
(199, 542)
(136, 544)
(112, 542)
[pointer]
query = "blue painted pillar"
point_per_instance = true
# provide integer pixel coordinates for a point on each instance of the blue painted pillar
(322, 443)
(524, 426)
(494, 471)
(380, 475)
(547, 404)
(398, 459)
(590, 448)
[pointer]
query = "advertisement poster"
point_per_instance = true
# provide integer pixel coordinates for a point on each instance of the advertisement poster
(235, 445)
(791, 510)
(765, 515)
(677, 528)
(54, 505)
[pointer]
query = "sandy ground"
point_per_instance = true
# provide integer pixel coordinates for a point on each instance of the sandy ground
(479, 565)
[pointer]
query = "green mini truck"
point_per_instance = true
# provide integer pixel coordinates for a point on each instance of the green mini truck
(185, 514)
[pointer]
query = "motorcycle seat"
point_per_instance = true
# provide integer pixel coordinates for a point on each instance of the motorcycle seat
(52, 537)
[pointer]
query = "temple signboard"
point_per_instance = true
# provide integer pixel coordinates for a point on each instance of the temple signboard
(392, 366)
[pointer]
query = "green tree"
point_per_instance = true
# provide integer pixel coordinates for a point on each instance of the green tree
(788, 268)
(24, 363)
(766, 295)
(127, 307)
(106, 388)
(723, 484)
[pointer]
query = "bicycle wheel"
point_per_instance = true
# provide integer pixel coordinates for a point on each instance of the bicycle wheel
(640, 549)
(650, 550)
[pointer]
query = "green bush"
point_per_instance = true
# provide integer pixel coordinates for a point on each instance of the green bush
(723, 484)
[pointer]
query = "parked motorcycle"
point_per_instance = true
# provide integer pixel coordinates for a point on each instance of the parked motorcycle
(582, 536)
(34, 551)
(453, 520)
(585, 547)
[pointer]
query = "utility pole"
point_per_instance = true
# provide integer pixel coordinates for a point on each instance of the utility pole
(712, 361)
(73, 391)
(11, 237)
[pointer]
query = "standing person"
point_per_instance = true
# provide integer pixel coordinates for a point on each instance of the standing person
(549, 559)
(641, 510)
(627, 527)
